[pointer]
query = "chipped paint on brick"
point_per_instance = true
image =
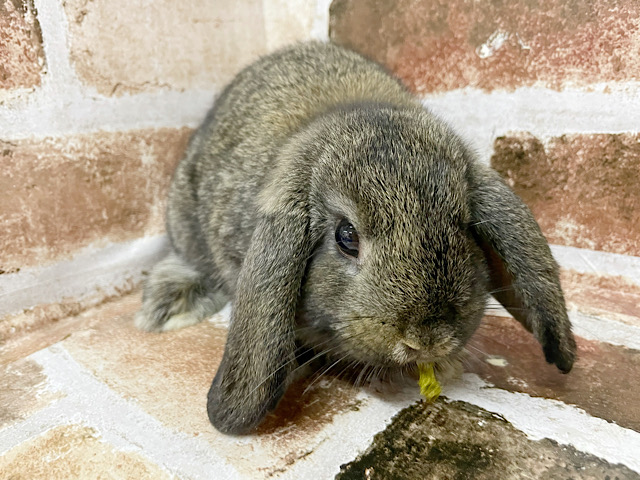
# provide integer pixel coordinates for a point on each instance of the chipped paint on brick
(196, 45)
(22, 391)
(615, 298)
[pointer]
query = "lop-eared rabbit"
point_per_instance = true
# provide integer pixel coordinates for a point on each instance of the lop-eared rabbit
(342, 218)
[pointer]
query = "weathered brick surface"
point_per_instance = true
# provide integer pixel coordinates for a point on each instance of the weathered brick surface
(22, 392)
(36, 328)
(582, 189)
(21, 53)
(616, 298)
(162, 44)
(60, 194)
(596, 384)
(167, 376)
(458, 441)
(75, 451)
(438, 45)
(288, 21)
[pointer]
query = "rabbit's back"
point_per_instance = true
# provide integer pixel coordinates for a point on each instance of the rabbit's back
(212, 201)
(278, 94)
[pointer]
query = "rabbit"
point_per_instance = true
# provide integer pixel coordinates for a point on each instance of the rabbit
(340, 215)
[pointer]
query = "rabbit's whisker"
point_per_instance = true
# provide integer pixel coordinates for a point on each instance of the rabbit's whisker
(324, 372)
(264, 380)
(470, 347)
(501, 289)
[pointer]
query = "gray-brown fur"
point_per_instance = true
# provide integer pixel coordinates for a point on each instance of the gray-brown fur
(299, 140)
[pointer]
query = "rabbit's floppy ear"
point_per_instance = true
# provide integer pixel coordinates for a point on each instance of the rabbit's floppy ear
(260, 350)
(523, 274)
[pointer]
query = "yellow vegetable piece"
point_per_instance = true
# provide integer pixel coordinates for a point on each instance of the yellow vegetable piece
(429, 385)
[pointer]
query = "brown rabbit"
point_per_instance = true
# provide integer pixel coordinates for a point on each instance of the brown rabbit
(338, 214)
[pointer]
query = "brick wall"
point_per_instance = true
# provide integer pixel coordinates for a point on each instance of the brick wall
(98, 99)
(97, 102)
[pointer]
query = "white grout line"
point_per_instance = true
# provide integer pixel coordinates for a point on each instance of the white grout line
(99, 273)
(63, 105)
(537, 417)
(125, 426)
(92, 273)
(60, 75)
(320, 25)
(44, 116)
(482, 116)
(67, 411)
(597, 262)
(542, 418)
(120, 422)
(350, 434)
(590, 327)
(605, 330)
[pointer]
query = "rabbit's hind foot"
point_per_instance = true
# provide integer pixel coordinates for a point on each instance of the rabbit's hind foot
(176, 296)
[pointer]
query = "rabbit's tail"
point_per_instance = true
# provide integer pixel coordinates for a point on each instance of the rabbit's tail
(176, 295)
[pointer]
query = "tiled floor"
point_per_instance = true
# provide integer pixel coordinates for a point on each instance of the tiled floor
(104, 400)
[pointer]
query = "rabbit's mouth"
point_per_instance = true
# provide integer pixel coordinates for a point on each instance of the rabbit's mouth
(408, 351)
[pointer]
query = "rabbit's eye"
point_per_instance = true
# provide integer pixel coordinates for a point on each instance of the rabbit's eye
(347, 238)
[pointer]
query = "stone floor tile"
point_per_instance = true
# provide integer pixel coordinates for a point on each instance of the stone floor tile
(602, 380)
(460, 441)
(75, 452)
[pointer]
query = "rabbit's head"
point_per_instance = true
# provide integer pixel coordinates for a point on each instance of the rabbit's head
(395, 276)
(379, 238)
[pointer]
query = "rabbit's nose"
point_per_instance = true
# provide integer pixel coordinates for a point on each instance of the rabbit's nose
(412, 345)
(407, 351)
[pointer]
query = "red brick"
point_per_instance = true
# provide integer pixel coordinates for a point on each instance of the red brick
(21, 53)
(601, 381)
(60, 194)
(582, 189)
(24, 333)
(436, 45)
